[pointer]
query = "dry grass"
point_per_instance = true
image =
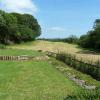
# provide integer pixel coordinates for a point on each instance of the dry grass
(59, 46)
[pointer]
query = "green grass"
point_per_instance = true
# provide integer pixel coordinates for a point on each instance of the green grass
(33, 81)
(67, 69)
(18, 52)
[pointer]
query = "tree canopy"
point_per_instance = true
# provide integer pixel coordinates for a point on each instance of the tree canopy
(92, 38)
(15, 27)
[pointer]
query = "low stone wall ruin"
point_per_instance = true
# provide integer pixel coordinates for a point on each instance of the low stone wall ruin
(23, 57)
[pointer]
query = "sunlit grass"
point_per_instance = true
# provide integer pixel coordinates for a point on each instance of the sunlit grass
(33, 81)
(18, 52)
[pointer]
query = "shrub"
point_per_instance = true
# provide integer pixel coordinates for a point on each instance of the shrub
(2, 46)
(88, 68)
(85, 95)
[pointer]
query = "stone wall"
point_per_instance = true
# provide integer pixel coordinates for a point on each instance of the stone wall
(23, 57)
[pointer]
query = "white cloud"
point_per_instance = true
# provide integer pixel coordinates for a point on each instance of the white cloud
(21, 6)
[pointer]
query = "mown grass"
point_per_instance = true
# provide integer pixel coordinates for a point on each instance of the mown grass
(18, 52)
(33, 81)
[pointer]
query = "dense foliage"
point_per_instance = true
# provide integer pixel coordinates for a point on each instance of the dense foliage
(85, 95)
(15, 27)
(90, 68)
(92, 38)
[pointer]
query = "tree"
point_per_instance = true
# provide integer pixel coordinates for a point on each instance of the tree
(26, 34)
(3, 28)
(29, 21)
(92, 38)
(96, 23)
(72, 39)
(15, 27)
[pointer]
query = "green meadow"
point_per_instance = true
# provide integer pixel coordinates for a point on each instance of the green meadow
(32, 80)
(18, 52)
(37, 80)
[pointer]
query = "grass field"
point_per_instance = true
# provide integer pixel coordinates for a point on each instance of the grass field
(33, 81)
(37, 80)
(60, 46)
(18, 52)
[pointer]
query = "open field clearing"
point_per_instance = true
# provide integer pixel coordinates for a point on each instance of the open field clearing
(37, 80)
(33, 81)
(17, 52)
(59, 46)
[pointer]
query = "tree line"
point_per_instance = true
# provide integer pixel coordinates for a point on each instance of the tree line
(92, 38)
(71, 39)
(17, 28)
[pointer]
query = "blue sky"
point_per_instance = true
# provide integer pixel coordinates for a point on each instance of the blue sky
(58, 18)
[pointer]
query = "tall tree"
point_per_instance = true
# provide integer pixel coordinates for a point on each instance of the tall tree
(15, 27)
(92, 38)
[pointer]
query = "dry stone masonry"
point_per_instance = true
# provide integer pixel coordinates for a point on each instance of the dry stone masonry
(23, 57)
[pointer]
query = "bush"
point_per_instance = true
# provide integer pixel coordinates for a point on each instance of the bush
(92, 38)
(2, 46)
(88, 68)
(85, 95)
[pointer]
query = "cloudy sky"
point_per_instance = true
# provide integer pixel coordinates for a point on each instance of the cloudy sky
(58, 18)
